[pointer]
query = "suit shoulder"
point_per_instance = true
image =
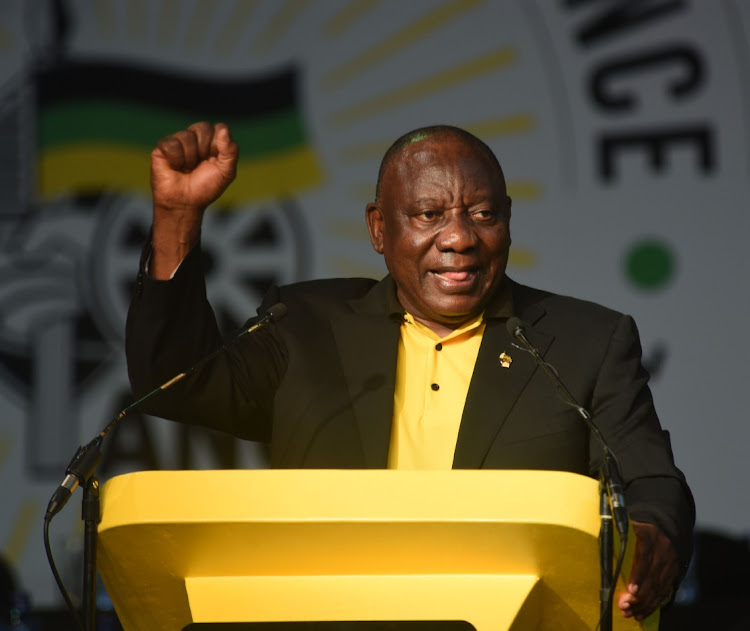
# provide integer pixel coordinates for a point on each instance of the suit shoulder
(328, 289)
(324, 297)
(563, 308)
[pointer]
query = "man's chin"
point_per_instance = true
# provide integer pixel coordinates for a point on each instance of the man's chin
(457, 312)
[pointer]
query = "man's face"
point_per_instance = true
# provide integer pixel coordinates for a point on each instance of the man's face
(442, 224)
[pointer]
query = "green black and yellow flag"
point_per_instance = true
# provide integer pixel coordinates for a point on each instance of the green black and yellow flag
(99, 121)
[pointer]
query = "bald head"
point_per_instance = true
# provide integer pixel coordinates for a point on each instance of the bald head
(436, 133)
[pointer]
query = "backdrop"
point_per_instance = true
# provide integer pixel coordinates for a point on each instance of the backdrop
(623, 128)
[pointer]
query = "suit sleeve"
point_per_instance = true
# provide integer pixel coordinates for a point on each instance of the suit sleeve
(623, 408)
(171, 328)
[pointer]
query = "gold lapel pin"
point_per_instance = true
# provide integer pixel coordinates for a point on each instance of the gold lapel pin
(505, 360)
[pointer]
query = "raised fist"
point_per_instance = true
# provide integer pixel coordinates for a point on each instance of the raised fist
(193, 167)
(189, 171)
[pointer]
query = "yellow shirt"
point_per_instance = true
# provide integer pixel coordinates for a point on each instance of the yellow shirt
(432, 381)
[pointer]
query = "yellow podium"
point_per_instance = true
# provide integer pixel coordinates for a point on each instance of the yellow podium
(513, 550)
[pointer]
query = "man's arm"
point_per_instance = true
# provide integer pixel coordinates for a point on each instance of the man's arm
(171, 325)
(659, 500)
(189, 171)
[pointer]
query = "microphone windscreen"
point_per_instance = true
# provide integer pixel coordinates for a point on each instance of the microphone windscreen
(514, 324)
(277, 311)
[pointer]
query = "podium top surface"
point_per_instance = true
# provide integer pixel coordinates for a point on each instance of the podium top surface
(561, 498)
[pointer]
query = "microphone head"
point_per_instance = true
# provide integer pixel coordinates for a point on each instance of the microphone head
(276, 312)
(515, 325)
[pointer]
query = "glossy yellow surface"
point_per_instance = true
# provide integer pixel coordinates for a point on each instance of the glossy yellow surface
(501, 549)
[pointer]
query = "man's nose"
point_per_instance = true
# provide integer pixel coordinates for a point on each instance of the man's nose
(457, 234)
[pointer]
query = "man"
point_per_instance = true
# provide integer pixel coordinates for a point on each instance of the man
(406, 372)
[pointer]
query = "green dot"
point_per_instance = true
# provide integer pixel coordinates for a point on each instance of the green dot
(650, 264)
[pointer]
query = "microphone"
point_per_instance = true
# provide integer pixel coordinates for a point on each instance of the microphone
(87, 457)
(515, 327)
(610, 470)
(273, 314)
(79, 470)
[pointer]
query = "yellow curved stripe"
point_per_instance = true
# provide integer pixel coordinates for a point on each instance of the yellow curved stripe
(517, 124)
(346, 17)
(199, 21)
(397, 42)
(137, 20)
(105, 18)
(275, 177)
(526, 191)
(349, 229)
(234, 26)
(6, 38)
(364, 192)
(520, 257)
(24, 527)
(419, 89)
(365, 151)
(343, 266)
(91, 168)
(6, 442)
(279, 25)
(167, 30)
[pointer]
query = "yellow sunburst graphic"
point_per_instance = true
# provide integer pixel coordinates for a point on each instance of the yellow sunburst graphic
(359, 87)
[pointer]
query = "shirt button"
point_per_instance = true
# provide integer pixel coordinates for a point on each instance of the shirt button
(434, 386)
(438, 347)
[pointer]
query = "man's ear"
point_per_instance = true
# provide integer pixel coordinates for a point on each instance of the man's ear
(374, 218)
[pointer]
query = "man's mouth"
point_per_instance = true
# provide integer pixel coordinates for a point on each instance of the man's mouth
(463, 275)
(455, 277)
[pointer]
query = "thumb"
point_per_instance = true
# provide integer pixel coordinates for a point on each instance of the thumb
(643, 552)
(225, 150)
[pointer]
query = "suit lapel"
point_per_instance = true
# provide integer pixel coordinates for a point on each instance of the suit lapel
(494, 389)
(367, 341)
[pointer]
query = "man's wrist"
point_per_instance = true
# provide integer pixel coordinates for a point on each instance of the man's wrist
(173, 236)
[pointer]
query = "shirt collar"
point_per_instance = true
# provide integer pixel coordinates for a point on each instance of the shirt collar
(384, 294)
(464, 328)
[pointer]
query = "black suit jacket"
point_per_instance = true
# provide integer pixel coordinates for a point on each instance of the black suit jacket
(318, 385)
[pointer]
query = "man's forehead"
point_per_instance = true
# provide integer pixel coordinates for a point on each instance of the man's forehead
(440, 146)
(438, 152)
(433, 149)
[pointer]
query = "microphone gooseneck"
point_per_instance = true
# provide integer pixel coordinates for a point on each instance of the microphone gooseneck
(87, 457)
(610, 469)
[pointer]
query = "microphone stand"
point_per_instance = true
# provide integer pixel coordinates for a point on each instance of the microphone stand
(611, 488)
(80, 472)
(606, 549)
(90, 513)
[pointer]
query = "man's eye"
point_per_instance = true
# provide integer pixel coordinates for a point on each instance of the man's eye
(484, 215)
(429, 214)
